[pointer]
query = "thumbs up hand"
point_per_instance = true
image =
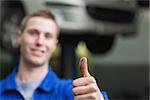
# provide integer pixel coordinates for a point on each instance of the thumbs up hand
(84, 67)
(86, 87)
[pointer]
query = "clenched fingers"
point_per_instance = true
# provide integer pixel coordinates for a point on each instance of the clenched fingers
(85, 89)
(84, 81)
(91, 96)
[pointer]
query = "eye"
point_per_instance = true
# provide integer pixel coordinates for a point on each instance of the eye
(33, 32)
(48, 35)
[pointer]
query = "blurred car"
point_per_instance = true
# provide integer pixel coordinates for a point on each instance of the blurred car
(97, 22)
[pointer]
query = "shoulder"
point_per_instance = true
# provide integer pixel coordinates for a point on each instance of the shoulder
(2, 82)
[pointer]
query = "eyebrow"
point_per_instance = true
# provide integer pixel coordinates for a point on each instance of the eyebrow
(30, 29)
(36, 30)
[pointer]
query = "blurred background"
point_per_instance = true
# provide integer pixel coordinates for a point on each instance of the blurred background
(112, 34)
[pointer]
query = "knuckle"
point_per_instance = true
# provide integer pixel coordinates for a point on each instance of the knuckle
(76, 98)
(93, 96)
(74, 92)
(94, 87)
(92, 79)
(73, 83)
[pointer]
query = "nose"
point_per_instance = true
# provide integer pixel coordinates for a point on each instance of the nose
(40, 40)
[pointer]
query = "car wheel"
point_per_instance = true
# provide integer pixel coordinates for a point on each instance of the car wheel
(99, 44)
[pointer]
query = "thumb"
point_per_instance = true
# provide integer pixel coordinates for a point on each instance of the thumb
(84, 67)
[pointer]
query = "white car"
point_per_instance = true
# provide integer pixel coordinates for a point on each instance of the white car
(97, 22)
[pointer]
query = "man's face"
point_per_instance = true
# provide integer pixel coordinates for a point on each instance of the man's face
(38, 41)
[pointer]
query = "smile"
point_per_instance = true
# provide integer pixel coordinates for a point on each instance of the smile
(38, 52)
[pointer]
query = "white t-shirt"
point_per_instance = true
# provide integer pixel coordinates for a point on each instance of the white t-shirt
(27, 89)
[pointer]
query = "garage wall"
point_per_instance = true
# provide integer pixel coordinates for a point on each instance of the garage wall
(124, 71)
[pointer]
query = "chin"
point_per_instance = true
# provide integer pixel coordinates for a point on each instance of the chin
(37, 62)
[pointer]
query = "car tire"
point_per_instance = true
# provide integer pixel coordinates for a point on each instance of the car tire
(99, 44)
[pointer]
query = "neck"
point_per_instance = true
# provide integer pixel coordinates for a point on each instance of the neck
(29, 73)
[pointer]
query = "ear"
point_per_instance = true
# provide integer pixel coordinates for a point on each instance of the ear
(55, 45)
(56, 42)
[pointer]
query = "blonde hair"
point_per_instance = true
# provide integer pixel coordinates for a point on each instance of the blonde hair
(45, 13)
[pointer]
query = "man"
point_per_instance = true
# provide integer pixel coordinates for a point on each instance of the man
(33, 78)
